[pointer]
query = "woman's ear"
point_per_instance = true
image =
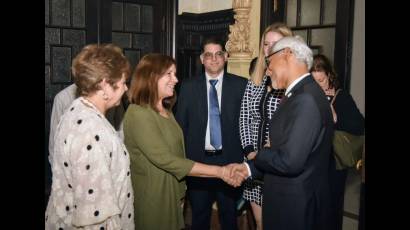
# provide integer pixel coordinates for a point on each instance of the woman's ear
(103, 87)
(103, 84)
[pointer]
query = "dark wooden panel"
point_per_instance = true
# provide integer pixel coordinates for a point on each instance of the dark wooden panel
(269, 15)
(343, 41)
(60, 62)
(133, 56)
(47, 11)
(117, 16)
(75, 39)
(132, 17)
(60, 12)
(78, 13)
(122, 39)
(52, 37)
(147, 19)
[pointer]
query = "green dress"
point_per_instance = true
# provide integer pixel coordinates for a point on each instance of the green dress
(158, 167)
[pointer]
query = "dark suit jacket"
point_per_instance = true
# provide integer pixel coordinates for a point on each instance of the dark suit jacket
(192, 115)
(295, 167)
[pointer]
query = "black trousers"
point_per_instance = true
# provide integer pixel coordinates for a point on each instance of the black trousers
(337, 181)
(202, 192)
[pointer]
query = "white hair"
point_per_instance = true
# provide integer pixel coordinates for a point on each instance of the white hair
(298, 46)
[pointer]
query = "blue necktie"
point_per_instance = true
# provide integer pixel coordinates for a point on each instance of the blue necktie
(214, 117)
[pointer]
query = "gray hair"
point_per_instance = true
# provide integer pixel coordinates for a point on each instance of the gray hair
(298, 46)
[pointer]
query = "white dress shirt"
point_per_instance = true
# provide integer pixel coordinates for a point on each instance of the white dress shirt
(294, 83)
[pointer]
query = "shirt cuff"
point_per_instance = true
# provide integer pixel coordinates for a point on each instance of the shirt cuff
(248, 149)
(249, 170)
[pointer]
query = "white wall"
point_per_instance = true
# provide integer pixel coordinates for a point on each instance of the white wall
(202, 6)
(357, 83)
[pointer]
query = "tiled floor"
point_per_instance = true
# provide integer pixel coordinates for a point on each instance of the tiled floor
(352, 201)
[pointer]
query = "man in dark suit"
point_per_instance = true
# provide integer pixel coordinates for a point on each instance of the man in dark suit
(295, 165)
(208, 113)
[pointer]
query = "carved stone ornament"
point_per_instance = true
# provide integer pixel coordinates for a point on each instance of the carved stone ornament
(238, 40)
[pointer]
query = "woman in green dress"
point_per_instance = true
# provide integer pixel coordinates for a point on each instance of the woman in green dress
(156, 146)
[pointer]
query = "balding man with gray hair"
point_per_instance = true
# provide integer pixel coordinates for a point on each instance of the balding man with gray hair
(295, 165)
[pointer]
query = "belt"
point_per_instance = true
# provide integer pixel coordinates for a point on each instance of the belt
(213, 152)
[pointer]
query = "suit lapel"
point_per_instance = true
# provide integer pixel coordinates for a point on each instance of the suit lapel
(294, 90)
(225, 92)
(225, 99)
(202, 99)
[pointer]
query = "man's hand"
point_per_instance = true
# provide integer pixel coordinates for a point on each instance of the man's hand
(233, 174)
(239, 170)
(251, 155)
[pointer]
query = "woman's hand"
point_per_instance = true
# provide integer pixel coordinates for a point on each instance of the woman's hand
(333, 113)
(251, 155)
(330, 91)
(267, 145)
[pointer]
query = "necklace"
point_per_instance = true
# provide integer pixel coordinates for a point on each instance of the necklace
(89, 103)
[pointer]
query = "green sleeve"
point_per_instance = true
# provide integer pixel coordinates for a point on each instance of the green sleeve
(142, 132)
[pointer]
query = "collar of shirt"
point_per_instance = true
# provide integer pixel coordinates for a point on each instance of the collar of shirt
(219, 78)
(294, 83)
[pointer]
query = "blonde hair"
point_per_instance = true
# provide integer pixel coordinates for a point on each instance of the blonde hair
(96, 62)
(260, 67)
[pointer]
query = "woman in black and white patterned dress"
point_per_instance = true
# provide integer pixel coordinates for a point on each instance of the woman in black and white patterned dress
(259, 102)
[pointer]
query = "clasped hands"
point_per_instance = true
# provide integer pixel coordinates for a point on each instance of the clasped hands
(234, 174)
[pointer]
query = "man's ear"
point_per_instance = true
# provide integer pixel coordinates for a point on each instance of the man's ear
(288, 55)
(226, 55)
(202, 58)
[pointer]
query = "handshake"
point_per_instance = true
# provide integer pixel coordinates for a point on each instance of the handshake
(234, 174)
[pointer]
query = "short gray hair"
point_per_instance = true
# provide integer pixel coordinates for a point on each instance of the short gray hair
(295, 43)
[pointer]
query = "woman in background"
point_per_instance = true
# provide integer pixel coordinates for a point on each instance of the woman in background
(348, 118)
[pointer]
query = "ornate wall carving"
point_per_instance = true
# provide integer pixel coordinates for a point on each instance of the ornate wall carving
(238, 44)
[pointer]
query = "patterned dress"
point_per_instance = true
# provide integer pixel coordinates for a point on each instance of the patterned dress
(257, 108)
(91, 186)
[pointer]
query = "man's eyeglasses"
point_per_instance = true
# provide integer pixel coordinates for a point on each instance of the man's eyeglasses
(217, 55)
(270, 55)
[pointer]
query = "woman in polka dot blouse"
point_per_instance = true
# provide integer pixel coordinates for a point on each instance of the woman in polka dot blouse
(91, 186)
